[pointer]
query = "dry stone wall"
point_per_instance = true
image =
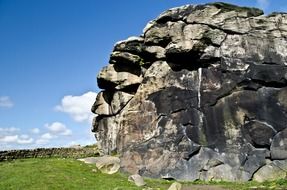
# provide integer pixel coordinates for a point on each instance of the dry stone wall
(48, 153)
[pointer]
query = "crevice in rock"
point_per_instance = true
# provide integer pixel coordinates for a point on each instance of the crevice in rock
(227, 31)
(199, 87)
(248, 84)
(244, 161)
(160, 116)
(271, 84)
(127, 67)
(187, 124)
(123, 106)
(97, 119)
(252, 176)
(225, 95)
(131, 89)
(269, 63)
(163, 41)
(260, 146)
(191, 66)
(178, 110)
(105, 84)
(192, 154)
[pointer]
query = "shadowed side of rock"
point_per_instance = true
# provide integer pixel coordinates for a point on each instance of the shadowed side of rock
(201, 94)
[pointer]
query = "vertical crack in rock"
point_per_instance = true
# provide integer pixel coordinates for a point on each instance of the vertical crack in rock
(199, 84)
(202, 94)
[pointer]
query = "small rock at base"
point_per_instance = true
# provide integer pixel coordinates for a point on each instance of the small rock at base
(137, 179)
(175, 186)
(95, 170)
(105, 164)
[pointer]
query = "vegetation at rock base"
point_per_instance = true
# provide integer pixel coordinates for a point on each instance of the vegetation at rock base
(58, 173)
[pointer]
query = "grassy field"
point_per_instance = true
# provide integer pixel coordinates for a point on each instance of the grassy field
(69, 174)
(53, 173)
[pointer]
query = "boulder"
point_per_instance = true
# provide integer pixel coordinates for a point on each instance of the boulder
(137, 180)
(105, 164)
(269, 172)
(200, 95)
(279, 146)
(112, 78)
(259, 133)
(175, 186)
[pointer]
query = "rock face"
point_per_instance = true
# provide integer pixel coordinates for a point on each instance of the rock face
(202, 94)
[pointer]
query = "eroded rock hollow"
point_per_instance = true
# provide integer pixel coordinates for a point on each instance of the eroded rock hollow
(201, 94)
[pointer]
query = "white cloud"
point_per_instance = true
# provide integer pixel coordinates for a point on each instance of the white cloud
(25, 141)
(263, 4)
(45, 138)
(9, 139)
(42, 141)
(78, 107)
(9, 130)
(6, 102)
(35, 131)
(55, 130)
(58, 128)
(16, 139)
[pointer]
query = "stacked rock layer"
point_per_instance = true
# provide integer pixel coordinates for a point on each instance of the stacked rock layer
(202, 94)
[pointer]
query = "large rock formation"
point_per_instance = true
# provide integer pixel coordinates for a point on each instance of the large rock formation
(202, 94)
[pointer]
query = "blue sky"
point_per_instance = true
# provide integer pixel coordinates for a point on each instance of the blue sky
(50, 54)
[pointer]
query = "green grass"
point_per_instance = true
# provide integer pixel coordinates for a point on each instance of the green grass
(53, 173)
(278, 184)
(69, 174)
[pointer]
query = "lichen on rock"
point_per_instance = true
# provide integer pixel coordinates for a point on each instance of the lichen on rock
(200, 95)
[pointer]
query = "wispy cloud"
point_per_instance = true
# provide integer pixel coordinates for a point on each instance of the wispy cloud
(263, 4)
(55, 130)
(58, 128)
(25, 139)
(45, 138)
(11, 136)
(6, 102)
(9, 130)
(35, 131)
(78, 107)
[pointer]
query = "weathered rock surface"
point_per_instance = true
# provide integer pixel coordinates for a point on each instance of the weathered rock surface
(105, 164)
(272, 171)
(202, 94)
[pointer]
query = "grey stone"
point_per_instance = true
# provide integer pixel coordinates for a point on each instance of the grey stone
(201, 95)
(118, 57)
(175, 186)
(156, 51)
(137, 180)
(279, 146)
(259, 133)
(110, 103)
(109, 78)
(269, 172)
(133, 45)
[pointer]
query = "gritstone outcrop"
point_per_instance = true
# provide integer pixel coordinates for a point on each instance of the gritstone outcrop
(201, 94)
